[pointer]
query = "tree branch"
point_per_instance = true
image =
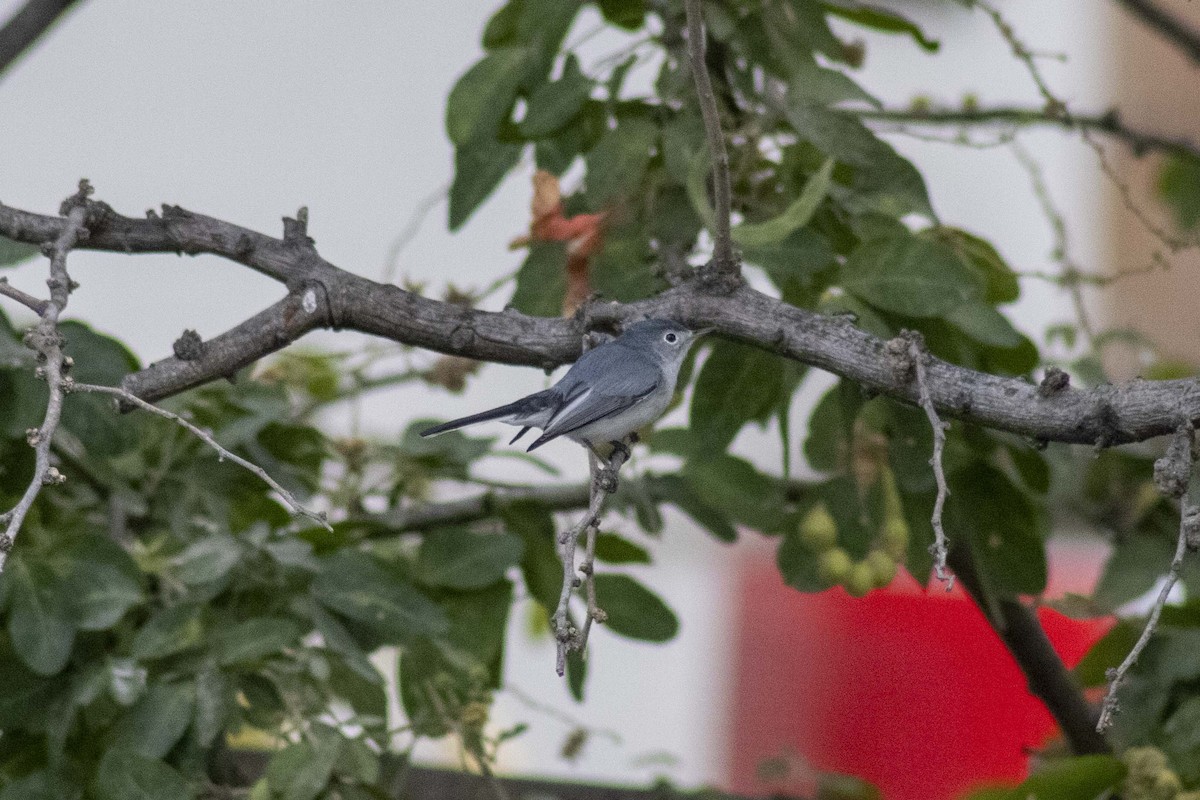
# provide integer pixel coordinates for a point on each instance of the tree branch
(1172, 476)
(29, 301)
(26, 26)
(1049, 679)
(322, 295)
(1186, 39)
(604, 482)
(724, 261)
(45, 339)
(206, 437)
(1109, 124)
(912, 351)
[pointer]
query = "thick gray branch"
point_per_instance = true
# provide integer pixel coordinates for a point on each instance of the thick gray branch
(1106, 415)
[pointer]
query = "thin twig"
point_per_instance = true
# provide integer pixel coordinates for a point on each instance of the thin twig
(1172, 476)
(1013, 117)
(533, 704)
(29, 301)
(427, 204)
(46, 340)
(1055, 106)
(1186, 39)
(604, 483)
(1071, 274)
(723, 256)
(206, 437)
(469, 744)
(916, 352)
(588, 568)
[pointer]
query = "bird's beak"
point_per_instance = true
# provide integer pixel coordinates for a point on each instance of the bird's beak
(696, 334)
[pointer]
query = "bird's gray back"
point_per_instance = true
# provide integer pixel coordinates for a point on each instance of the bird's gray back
(612, 368)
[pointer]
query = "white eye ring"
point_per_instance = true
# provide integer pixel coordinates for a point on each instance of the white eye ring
(670, 338)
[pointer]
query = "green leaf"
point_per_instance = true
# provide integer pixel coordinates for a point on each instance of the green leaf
(41, 785)
(911, 276)
(633, 610)
(616, 165)
(482, 97)
(208, 559)
(339, 640)
(981, 256)
(623, 270)
(101, 581)
(614, 549)
(1003, 527)
(881, 180)
(796, 215)
(301, 771)
(502, 27)
(737, 384)
(39, 619)
(459, 559)
(1135, 565)
(1179, 185)
(1107, 654)
(984, 324)
(255, 639)
(1182, 738)
(214, 702)
(157, 721)
(542, 280)
(680, 493)
(1079, 778)
(627, 14)
(170, 631)
(539, 566)
(823, 86)
(360, 587)
(801, 254)
(13, 252)
(123, 775)
(479, 166)
(93, 418)
(881, 19)
(552, 105)
(733, 485)
(798, 564)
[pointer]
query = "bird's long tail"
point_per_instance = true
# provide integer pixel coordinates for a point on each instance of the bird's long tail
(515, 411)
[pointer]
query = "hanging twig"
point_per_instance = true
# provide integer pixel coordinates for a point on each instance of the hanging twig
(908, 349)
(206, 437)
(723, 257)
(1172, 476)
(604, 483)
(45, 339)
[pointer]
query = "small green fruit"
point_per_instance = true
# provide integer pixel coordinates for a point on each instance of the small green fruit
(818, 530)
(883, 568)
(834, 566)
(895, 538)
(860, 580)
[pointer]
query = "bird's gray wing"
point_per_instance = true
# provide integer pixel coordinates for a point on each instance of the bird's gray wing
(606, 381)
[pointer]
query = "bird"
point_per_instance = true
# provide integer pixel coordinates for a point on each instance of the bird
(611, 392)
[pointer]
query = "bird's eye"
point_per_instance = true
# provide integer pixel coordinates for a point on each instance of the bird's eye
(670, 338)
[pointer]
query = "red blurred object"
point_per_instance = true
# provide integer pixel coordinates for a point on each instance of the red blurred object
(908, 689)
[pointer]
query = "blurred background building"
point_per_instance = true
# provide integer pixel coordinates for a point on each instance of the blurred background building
(246, 111)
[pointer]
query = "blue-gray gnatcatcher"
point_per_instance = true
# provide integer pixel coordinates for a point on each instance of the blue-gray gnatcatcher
(612, 391)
